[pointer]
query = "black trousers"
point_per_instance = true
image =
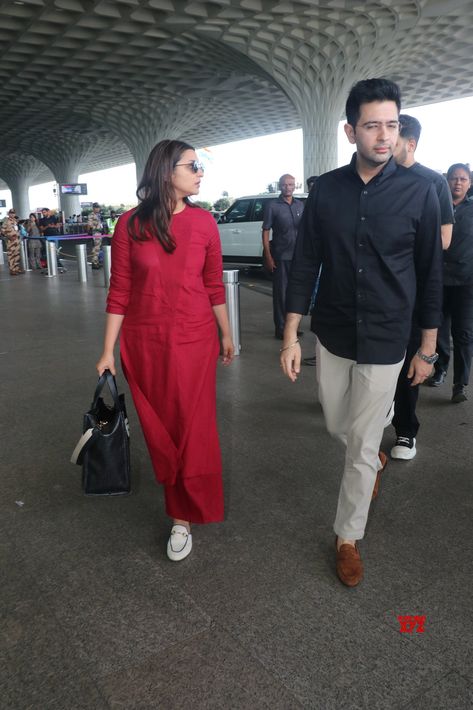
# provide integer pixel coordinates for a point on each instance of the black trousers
(457, 319)
(280, 281)
(405, 419)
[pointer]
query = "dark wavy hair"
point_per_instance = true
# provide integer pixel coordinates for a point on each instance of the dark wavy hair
(367, 91)
(152, 217)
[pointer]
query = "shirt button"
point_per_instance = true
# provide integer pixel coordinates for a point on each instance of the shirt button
(363, 219)
(361, 244)
(360, 321)
(360, 271)
(365, 192)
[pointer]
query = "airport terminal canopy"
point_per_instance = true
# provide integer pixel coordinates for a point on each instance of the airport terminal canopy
(91, 84)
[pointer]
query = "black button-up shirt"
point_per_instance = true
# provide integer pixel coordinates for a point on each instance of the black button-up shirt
(379, 246)
(284, 219)
(458, 258)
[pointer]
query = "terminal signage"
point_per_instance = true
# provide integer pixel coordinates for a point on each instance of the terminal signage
(3, 203)
(75, 188)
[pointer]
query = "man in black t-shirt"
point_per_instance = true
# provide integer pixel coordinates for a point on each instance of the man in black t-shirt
(48, 224)
(405, 420)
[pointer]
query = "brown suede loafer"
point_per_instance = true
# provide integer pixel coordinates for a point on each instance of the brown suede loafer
(349, 565)
(384, 462)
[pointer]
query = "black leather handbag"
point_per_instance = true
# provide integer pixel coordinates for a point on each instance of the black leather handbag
(103, 450)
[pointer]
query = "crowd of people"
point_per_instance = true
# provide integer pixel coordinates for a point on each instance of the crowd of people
(48, 223)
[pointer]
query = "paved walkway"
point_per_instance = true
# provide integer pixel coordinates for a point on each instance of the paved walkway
(94, 616)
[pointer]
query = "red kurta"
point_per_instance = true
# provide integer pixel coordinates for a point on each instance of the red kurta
(169, 348)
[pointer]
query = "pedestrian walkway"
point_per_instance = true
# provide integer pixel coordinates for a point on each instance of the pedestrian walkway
(95, 617)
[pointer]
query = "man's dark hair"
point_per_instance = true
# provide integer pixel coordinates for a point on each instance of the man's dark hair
(367, 91)
(95, 205)
(311, 181)
(410, 127)
(458, 166)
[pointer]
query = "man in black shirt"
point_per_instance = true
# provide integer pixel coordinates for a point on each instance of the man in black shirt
(374, 228)
(405, 419)
(282, 216)
(48, 224)
(457, 289)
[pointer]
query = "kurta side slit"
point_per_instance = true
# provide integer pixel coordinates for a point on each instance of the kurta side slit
(169, 348)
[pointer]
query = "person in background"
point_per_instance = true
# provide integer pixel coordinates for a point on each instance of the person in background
(457, 289)
(282, 216)
(50, 225)
(95, 227)
(310, 182)
(167, 301)
(10, 232)
(112, 222)
(405, 421)
(34, 242)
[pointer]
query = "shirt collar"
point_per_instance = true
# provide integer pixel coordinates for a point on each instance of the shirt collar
(388, 170)
(281, 199)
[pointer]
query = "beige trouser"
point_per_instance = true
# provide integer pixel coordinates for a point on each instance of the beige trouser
(357, 401)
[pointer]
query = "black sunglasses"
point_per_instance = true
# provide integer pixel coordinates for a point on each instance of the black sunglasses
(194, 165)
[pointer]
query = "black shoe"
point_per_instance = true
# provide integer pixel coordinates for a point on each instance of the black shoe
(437, 379)
(459, 394)
(310, 361)
(300, 333)
(96, 266)
(279, 336)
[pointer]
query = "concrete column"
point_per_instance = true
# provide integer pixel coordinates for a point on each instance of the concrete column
(64, 156)
(19, 192)
(66, 174)
(19, 171)
(320, 119)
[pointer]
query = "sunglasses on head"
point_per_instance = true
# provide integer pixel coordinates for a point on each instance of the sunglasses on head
(194, 165)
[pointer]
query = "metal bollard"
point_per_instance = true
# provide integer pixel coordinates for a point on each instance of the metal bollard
(81, 256)
(25, 264)
(51, 256)
(2, 258)
(107, 265)
(232, 295)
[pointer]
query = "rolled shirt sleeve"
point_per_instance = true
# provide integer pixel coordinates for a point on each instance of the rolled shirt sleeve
(428, 263)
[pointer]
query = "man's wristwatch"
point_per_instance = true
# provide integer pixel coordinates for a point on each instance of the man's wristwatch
(429, 359)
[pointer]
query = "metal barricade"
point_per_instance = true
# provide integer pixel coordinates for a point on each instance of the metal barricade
(25, 264)
(81, 256)
(232, 295)
(51, 257)
(107, 264)
(2, 258)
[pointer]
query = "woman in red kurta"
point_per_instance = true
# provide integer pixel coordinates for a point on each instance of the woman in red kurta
(166, 299)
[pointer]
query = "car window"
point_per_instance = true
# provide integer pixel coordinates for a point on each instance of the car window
(258, 210)
(239, 212)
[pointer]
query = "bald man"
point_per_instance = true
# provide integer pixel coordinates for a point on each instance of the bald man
(282, 216)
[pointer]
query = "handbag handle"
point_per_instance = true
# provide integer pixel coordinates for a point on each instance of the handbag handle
(106, 377)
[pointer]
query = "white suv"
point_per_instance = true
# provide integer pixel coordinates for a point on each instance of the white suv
(240, 229)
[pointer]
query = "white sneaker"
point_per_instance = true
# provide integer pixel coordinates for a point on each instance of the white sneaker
(179, 543)
(405, 448)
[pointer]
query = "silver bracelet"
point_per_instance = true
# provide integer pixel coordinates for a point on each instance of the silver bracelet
(281, 350)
